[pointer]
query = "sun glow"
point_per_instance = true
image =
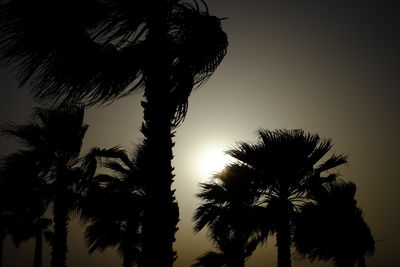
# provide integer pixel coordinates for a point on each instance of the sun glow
(211, 161)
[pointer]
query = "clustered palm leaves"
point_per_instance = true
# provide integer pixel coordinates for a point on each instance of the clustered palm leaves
(95, 49)
(46, 170)
(232, 215)
(24, 199)
(288, 170)
(98, 51)
(112, 204)
(333, 228)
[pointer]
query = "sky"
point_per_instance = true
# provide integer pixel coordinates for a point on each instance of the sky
(328, 67)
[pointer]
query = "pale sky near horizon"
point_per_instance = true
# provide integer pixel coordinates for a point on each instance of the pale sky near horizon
(328, 67)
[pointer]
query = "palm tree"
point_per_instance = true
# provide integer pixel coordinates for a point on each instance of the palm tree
(111, 49)
(287, 169)
(233, 216)
(55, 136)
(113, 203)
(25, 198)
(333, 227)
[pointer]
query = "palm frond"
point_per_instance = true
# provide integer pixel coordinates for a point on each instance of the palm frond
(210, 259)
(332, 162)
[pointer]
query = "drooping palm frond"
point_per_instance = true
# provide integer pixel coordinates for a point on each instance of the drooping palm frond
(98, 56)
(62, 58)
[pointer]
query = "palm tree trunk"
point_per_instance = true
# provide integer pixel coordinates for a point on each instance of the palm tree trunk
(161, 211)
(2, 238)
(239, 244)
(361, 262)
(127, 261)
(60, 211)
(283, 240)
(37, 260)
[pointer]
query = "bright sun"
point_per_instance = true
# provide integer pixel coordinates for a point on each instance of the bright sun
(211, 161)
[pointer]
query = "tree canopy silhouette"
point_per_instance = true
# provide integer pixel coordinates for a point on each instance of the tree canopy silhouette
(333, 228)
(233, 215)
(112, 205)
(24, 197)
(289, 167)
(55, 137)
(109, 50)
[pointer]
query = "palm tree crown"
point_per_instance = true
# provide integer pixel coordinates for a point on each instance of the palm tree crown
(113, 203)
(287, 169)
(54, 138)
(101, 53)
(232, 214)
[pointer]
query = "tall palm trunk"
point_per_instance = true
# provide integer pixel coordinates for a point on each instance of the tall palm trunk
(283, 240)
(60, 210)
(161, 212)
(37, 260)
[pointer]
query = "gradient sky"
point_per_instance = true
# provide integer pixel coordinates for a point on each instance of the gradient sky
(328, 67)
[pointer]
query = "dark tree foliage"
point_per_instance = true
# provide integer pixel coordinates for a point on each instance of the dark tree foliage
(97, 51)
(112, 205)
(52, 141)
(289, 167)
(333, 228)
(232, 213)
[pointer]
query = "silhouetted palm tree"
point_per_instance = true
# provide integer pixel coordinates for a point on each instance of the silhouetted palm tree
(233, 216)
(25, 197)
(285, 164)
(333, 228)
(113, 204)
(102, 50)
(55, 137)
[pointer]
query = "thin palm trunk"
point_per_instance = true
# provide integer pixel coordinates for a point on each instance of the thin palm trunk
(344, 263)
(37, 260)
(127, 261)
(361, 262)
(60, 210)
(2, 238)
(238, 257)
(283, 236)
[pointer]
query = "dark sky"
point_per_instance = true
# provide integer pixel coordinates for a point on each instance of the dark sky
(328, 67)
